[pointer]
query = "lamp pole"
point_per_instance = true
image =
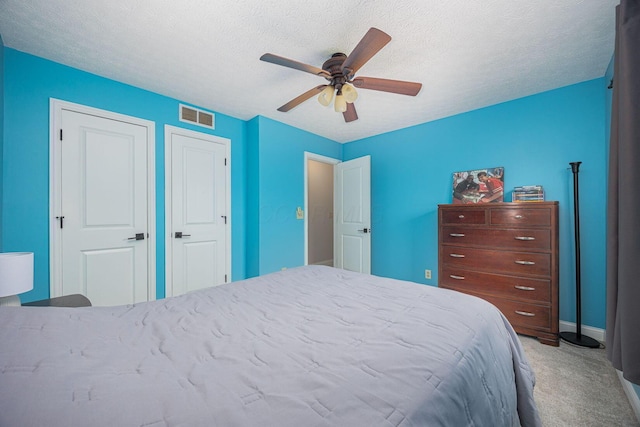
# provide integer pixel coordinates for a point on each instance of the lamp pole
(576, 337)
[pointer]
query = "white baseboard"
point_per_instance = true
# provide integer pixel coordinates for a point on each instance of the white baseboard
(328, 262)
(595, 333)
(634, 400)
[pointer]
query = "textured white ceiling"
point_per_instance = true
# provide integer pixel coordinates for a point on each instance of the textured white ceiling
(467, 54)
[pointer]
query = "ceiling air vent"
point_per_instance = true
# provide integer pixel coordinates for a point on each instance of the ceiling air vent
(196, 116)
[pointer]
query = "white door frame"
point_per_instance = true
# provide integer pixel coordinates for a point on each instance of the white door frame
(168, 211)
(324, 159)
(56, 106)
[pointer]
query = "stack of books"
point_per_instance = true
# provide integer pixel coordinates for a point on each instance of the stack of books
(528, 193)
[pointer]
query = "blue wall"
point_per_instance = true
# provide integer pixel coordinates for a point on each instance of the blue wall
(276, 189)
(29, 82)
(534, 138)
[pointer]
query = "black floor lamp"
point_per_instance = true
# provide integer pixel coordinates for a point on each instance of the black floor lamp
(576, 337)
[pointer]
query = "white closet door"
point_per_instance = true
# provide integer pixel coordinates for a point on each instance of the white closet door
(104, 207)
(199, 215)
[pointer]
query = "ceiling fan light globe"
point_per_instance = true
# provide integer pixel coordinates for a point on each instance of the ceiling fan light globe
(349, 92)
(340, 104)
(326, 96)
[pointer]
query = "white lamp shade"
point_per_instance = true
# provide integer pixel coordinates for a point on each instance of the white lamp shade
(16, 273)
(326, 95)
(340, 105)
(349, 92)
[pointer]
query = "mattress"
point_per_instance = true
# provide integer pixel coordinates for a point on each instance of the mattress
(310, 346)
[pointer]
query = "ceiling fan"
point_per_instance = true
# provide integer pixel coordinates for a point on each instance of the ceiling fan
(340, 71)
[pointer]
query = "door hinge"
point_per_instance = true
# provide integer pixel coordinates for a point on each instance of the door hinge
(225, 161)
(225, 218)
(225, 278)
(61, 218)
(60, 134)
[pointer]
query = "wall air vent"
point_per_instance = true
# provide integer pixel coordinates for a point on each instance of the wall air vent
(196, 116)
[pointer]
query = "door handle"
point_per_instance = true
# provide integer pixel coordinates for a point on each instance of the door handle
(138, 236)
(179, 235)
(365, 230)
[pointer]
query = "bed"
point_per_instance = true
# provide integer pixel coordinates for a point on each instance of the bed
(309, 346)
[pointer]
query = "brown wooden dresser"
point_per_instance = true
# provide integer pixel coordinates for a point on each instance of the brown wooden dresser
(507, 254)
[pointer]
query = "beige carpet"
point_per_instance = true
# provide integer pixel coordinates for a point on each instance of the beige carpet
(577, 386)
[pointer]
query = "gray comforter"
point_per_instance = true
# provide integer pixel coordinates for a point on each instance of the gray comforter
(311, 346)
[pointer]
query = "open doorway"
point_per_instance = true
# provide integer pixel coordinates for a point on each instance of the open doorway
(319, 209)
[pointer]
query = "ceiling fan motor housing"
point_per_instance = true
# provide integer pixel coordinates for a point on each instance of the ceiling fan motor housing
(333, 66)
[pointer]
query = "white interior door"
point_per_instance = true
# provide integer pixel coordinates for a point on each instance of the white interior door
(199, 246)
(352, 204)
(102, 213)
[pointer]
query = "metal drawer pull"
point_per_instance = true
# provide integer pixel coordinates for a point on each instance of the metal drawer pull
(456, 234)
(524, 262)
(456, 255)
(453, 276)
(461, 216)
(525, 313)
(524, 288)
(518, 217)
(527, 238)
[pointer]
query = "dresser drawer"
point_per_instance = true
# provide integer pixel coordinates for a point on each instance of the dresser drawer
(523, 314)
(518, 288)
(514, 263)
(463, 216)
(518, 239)
(525, 217)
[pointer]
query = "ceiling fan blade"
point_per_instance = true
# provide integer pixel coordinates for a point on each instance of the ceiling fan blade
(370, 44)
(300, 99)
(350, 115)
(385, 85)
(279, 60)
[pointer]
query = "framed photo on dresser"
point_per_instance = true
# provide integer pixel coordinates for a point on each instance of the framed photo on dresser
(478, 186)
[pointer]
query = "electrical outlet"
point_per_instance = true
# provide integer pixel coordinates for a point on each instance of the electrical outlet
(427, 274)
